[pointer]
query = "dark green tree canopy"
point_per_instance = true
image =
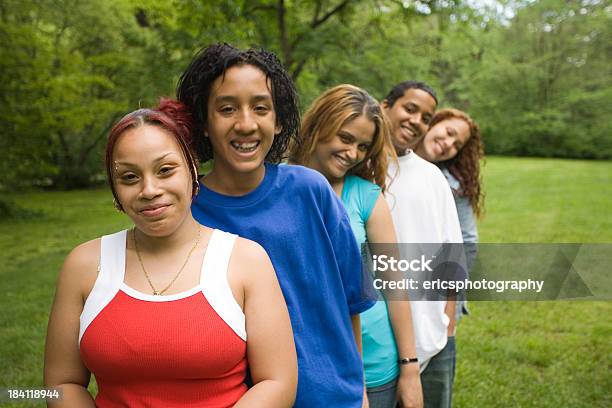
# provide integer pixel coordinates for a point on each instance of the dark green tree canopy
(534, 74)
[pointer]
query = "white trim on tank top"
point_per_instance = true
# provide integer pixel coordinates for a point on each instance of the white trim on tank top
(213, 281)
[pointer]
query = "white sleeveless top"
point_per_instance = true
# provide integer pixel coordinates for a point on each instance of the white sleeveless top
(213, 281)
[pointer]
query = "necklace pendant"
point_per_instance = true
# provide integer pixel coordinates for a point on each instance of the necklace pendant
(155, 293)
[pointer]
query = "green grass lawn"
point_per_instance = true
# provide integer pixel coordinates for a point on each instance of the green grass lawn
(523, 354)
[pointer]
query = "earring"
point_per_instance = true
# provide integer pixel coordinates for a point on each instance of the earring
(196, 185)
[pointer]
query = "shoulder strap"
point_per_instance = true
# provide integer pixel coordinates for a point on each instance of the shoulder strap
(110, 276)
(215, 285)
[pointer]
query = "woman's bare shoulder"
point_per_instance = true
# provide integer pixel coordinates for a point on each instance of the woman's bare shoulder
(81, 266)
(250, 252)
(84, 255)
(250, 260)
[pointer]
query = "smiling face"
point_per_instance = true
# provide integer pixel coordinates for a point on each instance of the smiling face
(343, 151)
(152, 179)
(444, 140)
(241, 122)
(410, 116)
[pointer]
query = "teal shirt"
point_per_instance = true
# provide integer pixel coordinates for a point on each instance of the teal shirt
(379, 350)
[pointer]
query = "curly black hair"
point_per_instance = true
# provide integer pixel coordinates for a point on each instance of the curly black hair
(194, 88)
(398, 91)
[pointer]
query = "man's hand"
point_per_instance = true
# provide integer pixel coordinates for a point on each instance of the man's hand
(409, 389)
(450, 310)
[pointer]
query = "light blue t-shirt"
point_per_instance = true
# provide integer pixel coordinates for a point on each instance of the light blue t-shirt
(379, 349)
(298, 219)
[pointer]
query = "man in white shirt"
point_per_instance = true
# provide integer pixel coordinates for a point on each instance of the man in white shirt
(423, 211)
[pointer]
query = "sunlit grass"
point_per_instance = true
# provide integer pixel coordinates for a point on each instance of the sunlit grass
(523, 354)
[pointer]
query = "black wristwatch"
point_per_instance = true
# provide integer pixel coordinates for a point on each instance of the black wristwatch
(404, 361)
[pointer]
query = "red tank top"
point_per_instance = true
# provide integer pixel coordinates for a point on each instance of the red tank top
(187, 349)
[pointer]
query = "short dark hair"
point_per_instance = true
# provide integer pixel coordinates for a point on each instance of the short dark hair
(194, 86)
(398, 91)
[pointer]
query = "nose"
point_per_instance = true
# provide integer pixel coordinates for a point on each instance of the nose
(416, 120)
(352, 153)
(447, 142)
(245, 123)
(150, 188)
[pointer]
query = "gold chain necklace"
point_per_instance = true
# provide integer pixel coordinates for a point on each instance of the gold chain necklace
(155, 291)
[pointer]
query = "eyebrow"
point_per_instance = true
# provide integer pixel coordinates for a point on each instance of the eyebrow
(353, 138)
(231, 98)
(160, 158)
(346, 133)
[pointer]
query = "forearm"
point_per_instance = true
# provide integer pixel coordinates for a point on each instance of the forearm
(409, 381)
(268, 393)
(72, 395)
(400, 317)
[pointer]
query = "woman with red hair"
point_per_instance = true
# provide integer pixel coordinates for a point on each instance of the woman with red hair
(453, 142)
(170, 312)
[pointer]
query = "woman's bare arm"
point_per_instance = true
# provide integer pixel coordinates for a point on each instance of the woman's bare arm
(64, 368)
(270, 347)
(380, 229)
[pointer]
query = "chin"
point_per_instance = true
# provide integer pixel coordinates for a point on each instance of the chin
(249, 167)
(414, 143)
(156, 229)
(432, 156)
(339, 174)
(399, 146)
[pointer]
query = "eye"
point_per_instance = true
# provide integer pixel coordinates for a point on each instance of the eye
(166, 170)
(262, 109)
(345, 139)
(426, 119)
(128, 178)
(363, 148)
(410, 108)
(227, 109)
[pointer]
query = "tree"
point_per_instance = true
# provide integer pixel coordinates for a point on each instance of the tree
(536, 76)
(64, 84)
(544, 85)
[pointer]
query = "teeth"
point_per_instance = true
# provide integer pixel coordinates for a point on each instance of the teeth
(342, 161)
(245, 147)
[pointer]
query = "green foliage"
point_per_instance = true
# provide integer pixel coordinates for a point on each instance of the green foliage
(536, 75)
(72, 69)
(546, 89)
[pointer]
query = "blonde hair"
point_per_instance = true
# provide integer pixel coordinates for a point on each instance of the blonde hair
(332, 110)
